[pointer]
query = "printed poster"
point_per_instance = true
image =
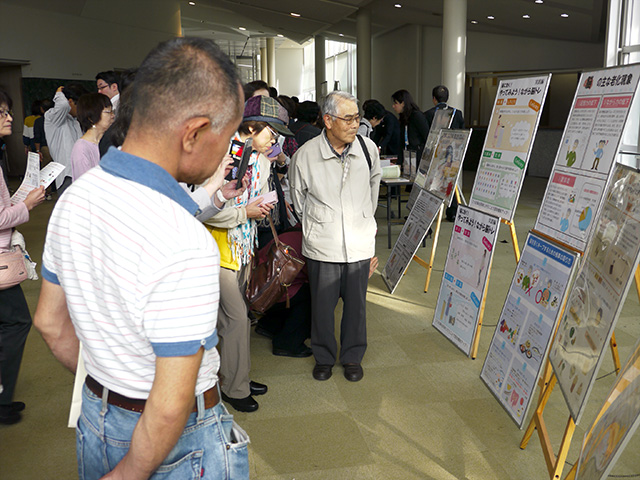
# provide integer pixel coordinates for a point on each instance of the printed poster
(529, 316)
(507, 146)
(614, 426)
(586, 155)
(465, 276)
(415, 228)
(446, 163)
(599, 291)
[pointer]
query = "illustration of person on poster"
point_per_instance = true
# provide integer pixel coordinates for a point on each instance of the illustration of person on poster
(571, 153)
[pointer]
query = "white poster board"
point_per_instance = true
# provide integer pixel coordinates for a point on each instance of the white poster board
(618, 420)
(465, 276)
(507, 146)
(587, 154)
(446, 163)
(415, 228)
(598, 293)
(522, 337)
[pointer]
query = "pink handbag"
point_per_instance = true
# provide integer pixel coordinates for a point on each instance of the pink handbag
(12, 268)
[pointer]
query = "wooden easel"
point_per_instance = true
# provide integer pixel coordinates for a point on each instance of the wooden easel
(436, 234)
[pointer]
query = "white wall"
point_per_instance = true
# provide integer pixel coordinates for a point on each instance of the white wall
(289, 64)
(78, 47)
(396, 65)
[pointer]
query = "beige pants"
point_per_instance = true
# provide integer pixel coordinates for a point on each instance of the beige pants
(234, 333)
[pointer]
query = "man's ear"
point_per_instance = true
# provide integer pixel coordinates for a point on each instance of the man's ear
(192, 131)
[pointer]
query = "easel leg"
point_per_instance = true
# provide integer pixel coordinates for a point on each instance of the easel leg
(614, 353)
(476, 339)
(572, 473)
(514, 238)
(436, 234)
(637, 275)
(564, 449)
(537, 415)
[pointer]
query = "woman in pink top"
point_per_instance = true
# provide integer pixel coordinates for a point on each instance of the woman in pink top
(15, 320)
(95, 115)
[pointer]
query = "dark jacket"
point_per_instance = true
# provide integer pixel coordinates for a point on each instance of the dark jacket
(458, 120)
(418, 130)
(303, 131)
(387, 135)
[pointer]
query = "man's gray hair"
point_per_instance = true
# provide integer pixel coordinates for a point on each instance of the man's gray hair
(330, 104)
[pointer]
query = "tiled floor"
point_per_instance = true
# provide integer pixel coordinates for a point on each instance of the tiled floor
(421, 411)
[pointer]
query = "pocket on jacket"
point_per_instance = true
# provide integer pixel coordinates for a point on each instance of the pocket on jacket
(319, 213)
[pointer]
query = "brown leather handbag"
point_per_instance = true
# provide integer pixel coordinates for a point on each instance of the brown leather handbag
(271, 279)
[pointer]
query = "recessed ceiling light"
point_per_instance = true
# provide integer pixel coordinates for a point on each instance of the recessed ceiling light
(341, 34)
(474, 21)
(280, 35)
(539, 1)
(192, 3)
(397, 5)
(491, 17)
(241, 28)
(526, 16)
(295, 14)
(564, 15)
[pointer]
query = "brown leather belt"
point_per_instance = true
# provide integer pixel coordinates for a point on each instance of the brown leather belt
(211, 397)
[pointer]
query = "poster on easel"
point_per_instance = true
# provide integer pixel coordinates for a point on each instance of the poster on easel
(413, 232)
(599, 291)
(465, 276)
(522, 337)
(508, 144)
(586, 156)
(446, 163)
(614, 426)
(441, 119)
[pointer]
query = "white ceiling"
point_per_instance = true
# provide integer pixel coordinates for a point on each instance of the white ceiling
(336, 19)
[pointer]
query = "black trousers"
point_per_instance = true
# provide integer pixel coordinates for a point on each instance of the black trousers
(328, 283)
(290, 326)
(15, 322)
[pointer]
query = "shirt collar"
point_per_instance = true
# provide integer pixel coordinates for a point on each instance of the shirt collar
(345, 152)
(144, 172)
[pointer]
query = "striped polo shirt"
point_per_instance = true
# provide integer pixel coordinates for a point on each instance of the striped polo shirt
(139, 271)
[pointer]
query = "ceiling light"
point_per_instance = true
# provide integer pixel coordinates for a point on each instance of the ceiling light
(539, 1)
(491, 17)
(474, 21)
(526, 16)
(564, 15)
(192, 3)
(341, 34)
(397, 5)
(280, 35)
(241, 28)
(295, 14)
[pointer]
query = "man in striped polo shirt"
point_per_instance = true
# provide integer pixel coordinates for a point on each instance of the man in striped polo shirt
(132, 275)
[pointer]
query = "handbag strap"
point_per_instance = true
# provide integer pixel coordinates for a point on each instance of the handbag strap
(273, 230)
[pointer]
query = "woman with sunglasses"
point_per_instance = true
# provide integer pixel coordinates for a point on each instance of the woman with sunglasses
(235, 232)
(15, 319)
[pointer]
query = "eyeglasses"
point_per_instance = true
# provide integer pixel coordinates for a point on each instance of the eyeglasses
(275, 135)
(102, 87)
(109, 112)
(349, 119)
(6, 113)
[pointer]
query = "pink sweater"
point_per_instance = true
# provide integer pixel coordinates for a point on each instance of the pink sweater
(10, 216)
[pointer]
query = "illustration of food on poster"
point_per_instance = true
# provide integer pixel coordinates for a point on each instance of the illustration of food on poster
(525, 327)
(599, 291)
(446, 164)
(441, 119)
(505, 155)
(415, 228)
(587, 153)
(465, 276)
(615, 424)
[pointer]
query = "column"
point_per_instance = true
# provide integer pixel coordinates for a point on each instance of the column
(271, 61)
(321, 67)
(363, 53)
(264, 75)
(454, 46)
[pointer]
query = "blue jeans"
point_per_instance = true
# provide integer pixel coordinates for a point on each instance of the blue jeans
(212, 445)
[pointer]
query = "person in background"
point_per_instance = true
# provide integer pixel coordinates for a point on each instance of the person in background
(440, 97)
(63, 130)
(412, 121)
(95, 114)
(257, 87)
(387, 135)
(27, 130)
(15, 319)
(114, 136)
(372, 114)
(108, 84)
(304, 128)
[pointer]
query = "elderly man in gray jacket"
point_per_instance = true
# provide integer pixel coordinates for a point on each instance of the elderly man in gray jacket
(335, 178)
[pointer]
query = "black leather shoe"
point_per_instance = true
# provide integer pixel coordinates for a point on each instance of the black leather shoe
(8, 416)
(17, 406)
(302, 353)
(246, 404)
(353, 372)
(264, 332)
(322, 372)
(257, 388)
